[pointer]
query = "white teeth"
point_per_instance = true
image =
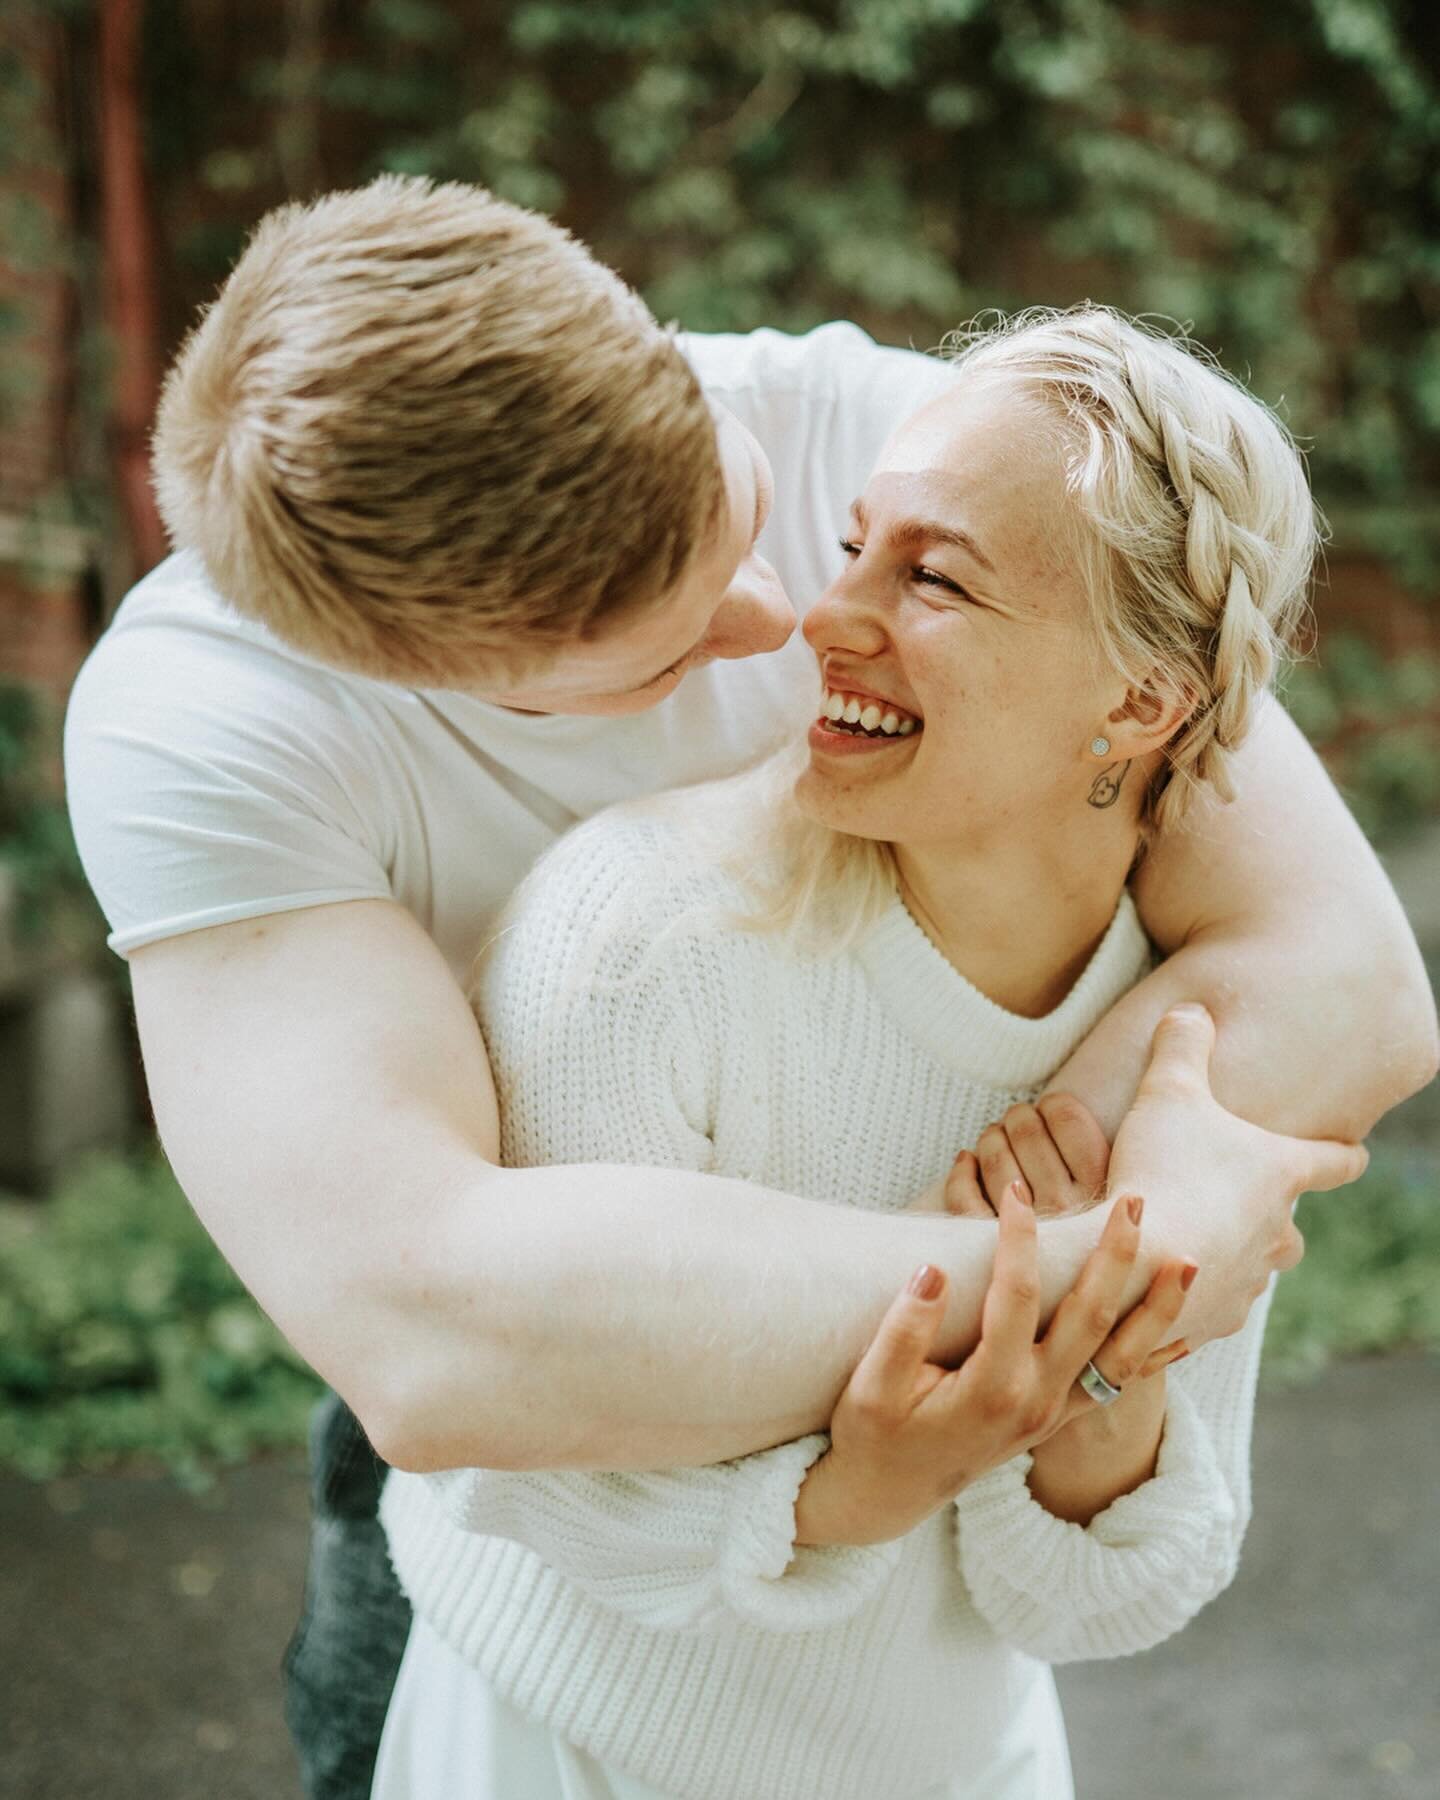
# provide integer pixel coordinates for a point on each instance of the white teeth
(869, 715)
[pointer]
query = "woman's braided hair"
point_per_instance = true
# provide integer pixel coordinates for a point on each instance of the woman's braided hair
(1199, 532)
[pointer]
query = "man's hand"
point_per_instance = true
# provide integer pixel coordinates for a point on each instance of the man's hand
(1220, 1190)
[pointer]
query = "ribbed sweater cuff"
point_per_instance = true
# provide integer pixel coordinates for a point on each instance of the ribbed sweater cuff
(1136, 1574)
(670, 1549)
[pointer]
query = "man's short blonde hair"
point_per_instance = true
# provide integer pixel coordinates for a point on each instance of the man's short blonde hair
(422, 431)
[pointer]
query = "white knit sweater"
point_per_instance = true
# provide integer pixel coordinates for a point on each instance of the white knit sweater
(666, 1621)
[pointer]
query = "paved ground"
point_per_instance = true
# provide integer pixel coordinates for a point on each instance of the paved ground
(141, 1628)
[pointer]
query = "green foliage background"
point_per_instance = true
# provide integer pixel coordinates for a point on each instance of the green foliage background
(1265, 174)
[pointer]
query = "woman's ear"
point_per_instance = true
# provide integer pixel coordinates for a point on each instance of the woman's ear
(1148, 717)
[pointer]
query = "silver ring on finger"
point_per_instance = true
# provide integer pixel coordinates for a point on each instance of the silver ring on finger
(1101, 1391)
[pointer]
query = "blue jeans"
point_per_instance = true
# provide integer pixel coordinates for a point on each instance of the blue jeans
(342, 1662)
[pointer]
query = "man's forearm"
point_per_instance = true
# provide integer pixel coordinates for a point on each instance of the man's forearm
(660, 1318)
(340, 1149)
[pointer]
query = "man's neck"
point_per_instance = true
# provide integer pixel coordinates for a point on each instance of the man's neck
(1020, 918)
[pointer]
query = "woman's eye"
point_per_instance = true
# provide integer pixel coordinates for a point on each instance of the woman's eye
(933, 578)
(849, 547)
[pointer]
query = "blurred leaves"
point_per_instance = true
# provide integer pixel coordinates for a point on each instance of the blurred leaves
(1265, 175)
(1370, 1277)
(37, 847)
(123, 1332)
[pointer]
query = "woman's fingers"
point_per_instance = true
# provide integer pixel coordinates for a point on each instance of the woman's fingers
(1078, 1137)
(1041, 1163)
(1086, 1316)
(1163, 1357)
(964, 1195)
(1011, 1312)
(886, 1375)
(998, 1166)
(1123, 1356)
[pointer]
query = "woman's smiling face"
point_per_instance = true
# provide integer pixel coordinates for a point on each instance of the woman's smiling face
(960, 607)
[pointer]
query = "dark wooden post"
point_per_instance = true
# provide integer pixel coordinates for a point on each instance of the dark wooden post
(128, 243)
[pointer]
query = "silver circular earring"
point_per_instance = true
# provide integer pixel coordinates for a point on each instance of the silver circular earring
(1100, 746)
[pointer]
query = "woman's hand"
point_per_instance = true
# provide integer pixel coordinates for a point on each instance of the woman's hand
(908, 1434)
(1056, 1149)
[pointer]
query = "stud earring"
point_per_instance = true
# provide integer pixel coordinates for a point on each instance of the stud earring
(1100, 746)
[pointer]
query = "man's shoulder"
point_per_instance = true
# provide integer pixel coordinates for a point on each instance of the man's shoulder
(177, 662)
(829, 362)
(176, 612)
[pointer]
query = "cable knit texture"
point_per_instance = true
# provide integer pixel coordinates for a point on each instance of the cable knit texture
(666, 1621)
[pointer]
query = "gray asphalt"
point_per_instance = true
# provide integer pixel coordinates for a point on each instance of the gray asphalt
(141, 1628)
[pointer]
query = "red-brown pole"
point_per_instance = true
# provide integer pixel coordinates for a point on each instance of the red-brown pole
(128, 245)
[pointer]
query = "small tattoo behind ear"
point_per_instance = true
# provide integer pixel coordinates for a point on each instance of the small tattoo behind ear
(1105, 789)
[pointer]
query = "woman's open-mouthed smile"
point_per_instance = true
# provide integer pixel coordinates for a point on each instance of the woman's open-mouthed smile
(854, 721)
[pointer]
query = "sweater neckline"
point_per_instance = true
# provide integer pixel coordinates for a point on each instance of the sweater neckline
(969, 1033)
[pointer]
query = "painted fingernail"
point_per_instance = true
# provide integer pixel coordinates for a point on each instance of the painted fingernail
(1135, 1205)
(1188, 1274)
(925, 1282)
(1017, 1190)
(1178, 1352)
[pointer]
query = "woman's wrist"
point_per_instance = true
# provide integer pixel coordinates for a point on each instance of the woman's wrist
(821, 1516)
(1109, 1451)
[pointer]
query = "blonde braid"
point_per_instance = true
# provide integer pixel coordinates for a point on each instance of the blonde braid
(1196, 498)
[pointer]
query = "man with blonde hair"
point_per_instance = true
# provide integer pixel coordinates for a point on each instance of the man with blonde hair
(467, 548)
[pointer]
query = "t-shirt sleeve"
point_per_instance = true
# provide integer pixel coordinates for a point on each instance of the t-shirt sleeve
(212, 780)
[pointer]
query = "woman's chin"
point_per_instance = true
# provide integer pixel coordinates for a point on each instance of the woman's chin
(827, 802)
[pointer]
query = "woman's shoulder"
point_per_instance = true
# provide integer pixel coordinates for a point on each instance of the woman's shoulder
(634, 885)
(653, 852)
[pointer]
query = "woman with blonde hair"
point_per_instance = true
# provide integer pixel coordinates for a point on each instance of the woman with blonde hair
(1063, 594)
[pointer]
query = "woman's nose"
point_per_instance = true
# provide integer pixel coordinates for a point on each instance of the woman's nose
(841, 620)
(754, 617)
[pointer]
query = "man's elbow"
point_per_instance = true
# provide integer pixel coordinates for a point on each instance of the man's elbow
(1422, 1044)
(1406, 1046)
(405, 1431)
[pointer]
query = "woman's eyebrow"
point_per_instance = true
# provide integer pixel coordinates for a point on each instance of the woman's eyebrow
(909, 531)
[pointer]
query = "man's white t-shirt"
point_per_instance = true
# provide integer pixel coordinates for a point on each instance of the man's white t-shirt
(215, 775)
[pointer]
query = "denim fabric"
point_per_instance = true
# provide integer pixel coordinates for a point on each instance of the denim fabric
(342, 1662)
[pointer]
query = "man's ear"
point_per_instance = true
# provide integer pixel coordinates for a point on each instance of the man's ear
(1149, 716)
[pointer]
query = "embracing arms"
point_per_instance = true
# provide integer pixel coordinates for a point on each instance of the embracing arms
(324, 1095)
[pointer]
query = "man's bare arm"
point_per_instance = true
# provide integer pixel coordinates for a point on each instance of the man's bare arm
(323, 1093)
(1275, 915)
